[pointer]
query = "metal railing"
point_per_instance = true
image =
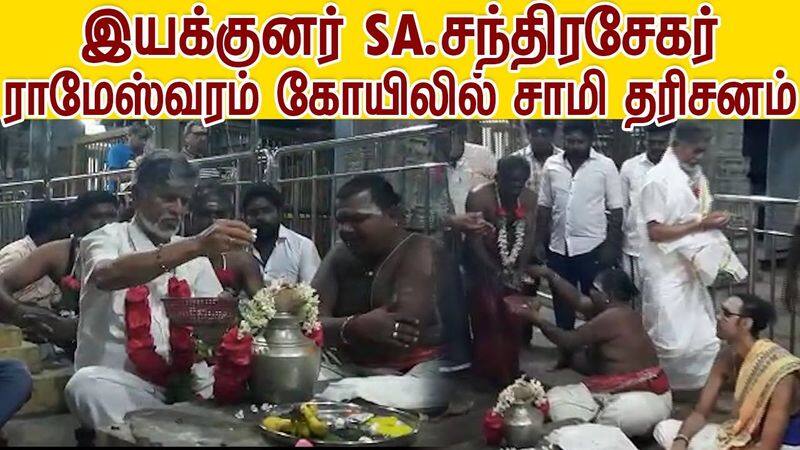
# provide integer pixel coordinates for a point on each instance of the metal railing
(760, 249)
(263, 164)
(309, 187)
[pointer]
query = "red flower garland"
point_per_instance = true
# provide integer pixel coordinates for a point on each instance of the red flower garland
(492, 427)
(493, 424)
(140, 345)
(316, 335)
(233, 364)
(234, 356)
(69, 283)
(519, 211)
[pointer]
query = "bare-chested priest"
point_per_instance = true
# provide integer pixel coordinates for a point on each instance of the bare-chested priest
(377, 289)
(625, 386)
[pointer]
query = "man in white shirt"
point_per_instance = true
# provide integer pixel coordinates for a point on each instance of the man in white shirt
(632, 175)
(677, 308)
(123, 263)
(281, 253)
(540, 147)
(46, 222)
(578, 188)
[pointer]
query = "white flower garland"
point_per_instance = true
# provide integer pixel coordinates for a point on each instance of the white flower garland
(509, 258)
(520, 392)
(258, 311)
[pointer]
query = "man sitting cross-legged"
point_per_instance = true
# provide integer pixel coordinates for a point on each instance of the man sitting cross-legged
(129, 355)
(377, 288)
(624, 387)
(767, 392)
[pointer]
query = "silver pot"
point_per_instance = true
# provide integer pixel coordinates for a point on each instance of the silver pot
(523, 426)
(286, 366)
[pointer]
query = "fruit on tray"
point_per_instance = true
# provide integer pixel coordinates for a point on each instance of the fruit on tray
(303, 423)
(317, 427)
(275, 423)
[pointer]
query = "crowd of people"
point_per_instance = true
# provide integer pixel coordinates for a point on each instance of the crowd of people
(627, 254)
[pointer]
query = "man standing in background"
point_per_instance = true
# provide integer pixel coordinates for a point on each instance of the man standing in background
(578, 187)
(632, 175)
(540, 147)
(123, 155)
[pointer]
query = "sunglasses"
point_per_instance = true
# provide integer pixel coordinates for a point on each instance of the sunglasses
(728, 314)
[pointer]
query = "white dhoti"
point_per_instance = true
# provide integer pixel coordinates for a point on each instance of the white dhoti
(332, 368)
(101, 396)
(635, 413)
(677, 308)
(420, 388)
(705, 439)
(590, 436)
(678, 314)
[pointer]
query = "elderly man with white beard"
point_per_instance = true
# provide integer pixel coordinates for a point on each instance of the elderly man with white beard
(127, 353)
(684, 252)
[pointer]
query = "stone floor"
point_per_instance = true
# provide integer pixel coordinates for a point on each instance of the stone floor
(57, 430)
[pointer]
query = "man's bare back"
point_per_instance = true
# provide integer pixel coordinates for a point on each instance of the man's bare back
(622, 345)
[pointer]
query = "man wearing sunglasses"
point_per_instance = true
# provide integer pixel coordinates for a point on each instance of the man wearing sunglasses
(624, 386)
(765, 377)
(195, 146)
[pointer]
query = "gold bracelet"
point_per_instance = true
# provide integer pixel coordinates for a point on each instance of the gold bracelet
(158, 259)
(341, 330)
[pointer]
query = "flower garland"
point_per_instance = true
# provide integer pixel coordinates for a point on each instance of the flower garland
(70, 294)
(509, 257)
(257, 312)
(235, 351)
(140, 345)
(232, 369)
(520, 392)
(70, 283)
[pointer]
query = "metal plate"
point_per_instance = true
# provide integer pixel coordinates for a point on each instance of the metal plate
(328, 411)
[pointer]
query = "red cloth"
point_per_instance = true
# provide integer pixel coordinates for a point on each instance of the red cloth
(408, 360)
(497, 337)
(652, 379)
(226, 278)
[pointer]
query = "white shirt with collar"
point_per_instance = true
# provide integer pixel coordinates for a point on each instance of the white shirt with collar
(537, 168)
(632, 175)
(579, 203)
(295, 258)
(101, 326)
(476, 166)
